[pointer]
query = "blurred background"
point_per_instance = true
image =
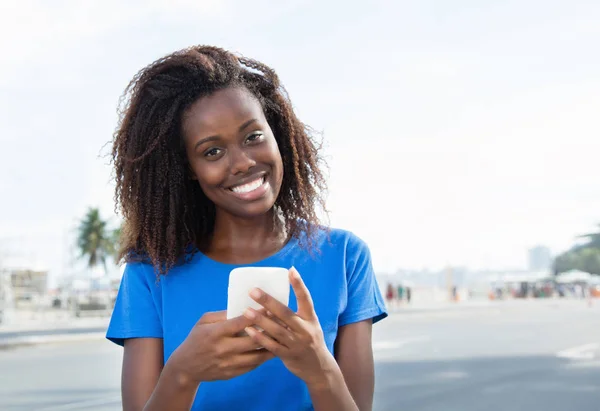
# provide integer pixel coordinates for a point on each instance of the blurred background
(462, 143)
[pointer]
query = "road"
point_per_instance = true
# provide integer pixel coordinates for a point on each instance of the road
(520, 356)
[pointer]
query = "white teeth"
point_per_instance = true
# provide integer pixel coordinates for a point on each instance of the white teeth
(246, 188)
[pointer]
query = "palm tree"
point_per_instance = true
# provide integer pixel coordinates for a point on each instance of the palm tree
(115, 238)
(94, 240)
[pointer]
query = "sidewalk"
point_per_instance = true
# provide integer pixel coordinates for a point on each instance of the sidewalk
(50, 326)
(432, 306)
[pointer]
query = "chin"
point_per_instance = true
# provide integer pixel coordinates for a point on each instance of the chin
(251, 211)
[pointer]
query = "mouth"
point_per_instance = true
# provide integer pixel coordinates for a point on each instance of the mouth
(252, 190)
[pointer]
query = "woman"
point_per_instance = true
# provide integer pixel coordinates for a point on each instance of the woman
(214, 171)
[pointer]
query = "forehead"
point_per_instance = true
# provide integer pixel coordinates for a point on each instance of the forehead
(221, 112)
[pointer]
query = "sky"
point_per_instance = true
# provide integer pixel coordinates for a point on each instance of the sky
(457, 133)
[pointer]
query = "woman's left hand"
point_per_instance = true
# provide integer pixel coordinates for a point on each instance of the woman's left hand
(296, 338)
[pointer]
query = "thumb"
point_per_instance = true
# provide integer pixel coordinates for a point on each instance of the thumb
(306, 309)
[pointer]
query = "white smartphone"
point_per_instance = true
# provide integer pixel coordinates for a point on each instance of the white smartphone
(272, 280)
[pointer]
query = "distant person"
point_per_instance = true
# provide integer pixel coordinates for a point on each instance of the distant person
(408, 294)
(389, 294)
(214, 171)
(400, 293)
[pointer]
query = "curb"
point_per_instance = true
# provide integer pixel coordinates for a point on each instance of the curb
(432, 309)
(481, 305)
(14, 342)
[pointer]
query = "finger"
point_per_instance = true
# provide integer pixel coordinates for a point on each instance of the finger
(238, 345)
(279, 310)
(213, 317)
(234, 326)
(272, 317)
(306, 309)
(252, 360)
(279, 333)
(267, 342)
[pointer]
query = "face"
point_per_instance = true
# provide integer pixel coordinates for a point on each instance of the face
(232, 152)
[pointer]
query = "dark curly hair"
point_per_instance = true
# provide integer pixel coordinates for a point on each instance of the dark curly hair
(165, 212)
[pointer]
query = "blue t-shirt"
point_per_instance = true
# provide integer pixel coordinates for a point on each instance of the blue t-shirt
(339, 277)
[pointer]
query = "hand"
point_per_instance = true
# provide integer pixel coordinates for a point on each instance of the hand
(296, 338)
(213, 350)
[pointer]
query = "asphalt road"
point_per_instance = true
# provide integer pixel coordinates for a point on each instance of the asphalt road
(522, 356)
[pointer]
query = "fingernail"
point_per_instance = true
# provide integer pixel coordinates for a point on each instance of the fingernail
(249, 314)
(295, 272)
(250, 331)
(255, 293)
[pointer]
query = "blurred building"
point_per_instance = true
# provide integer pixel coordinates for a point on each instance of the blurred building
(6, 297)
(28, 285)
(540, 258)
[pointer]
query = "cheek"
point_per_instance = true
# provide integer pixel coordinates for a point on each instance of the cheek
(275, 155)
(280, 171)
(208, 175)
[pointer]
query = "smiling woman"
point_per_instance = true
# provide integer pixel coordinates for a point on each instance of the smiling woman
(214, 172)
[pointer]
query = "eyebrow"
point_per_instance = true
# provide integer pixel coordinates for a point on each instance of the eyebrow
(213, 138)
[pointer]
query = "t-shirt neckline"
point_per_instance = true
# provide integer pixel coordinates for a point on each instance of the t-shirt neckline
(287, 247)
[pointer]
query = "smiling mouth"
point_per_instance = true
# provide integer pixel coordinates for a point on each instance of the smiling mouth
(248, 187)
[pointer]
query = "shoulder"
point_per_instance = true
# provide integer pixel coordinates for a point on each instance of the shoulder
(333, 243)
(139, 272)
(346, 238)
(140, 261)
(341, 240)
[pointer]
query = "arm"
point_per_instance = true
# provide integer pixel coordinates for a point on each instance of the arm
(350, 384)
(354, 354)
(146, 385)
(332, 394)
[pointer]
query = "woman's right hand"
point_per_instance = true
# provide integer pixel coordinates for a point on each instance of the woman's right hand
(214, 350)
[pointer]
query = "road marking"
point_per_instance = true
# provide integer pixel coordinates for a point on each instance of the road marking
(394, 344)
(581, 352)
(80, 404)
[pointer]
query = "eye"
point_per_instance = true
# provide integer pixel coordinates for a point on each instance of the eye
(212, 152)
(255, 137)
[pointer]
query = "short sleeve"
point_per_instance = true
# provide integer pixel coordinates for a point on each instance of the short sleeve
(364, 297)
(136, 312)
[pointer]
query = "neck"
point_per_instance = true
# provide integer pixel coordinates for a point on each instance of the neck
(238, 234)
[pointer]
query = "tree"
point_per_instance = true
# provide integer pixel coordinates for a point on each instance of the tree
(565, 262)
(584, 257)
(593, 240)
(95, 240)
(589, 260)
(115, 242)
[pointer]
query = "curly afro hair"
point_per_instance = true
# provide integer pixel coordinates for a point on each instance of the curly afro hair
(165, 213)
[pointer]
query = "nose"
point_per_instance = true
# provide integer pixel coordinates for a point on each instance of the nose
(240, 161)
